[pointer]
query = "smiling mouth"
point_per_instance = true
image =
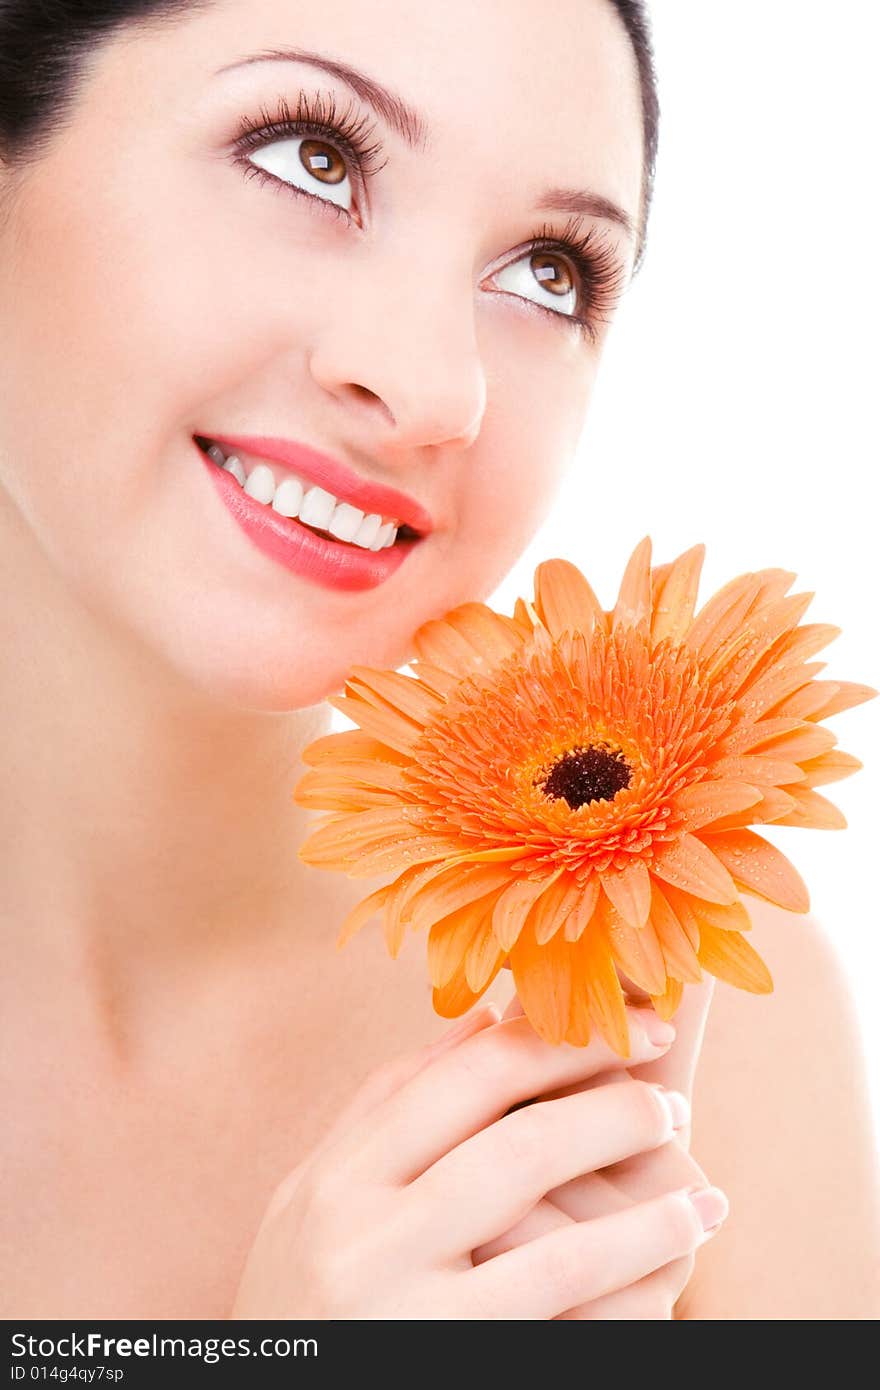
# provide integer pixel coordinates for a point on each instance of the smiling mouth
(296, 499)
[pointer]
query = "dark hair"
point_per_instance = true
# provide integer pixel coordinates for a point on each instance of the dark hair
(46, 45)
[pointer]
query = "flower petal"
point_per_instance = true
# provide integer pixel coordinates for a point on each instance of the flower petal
(629, 890)
(514, 905)
(448, 942)
(435, 678)
(675, 596)
(667, 1003)
(813, 809)
(361, 913)
(350, 786)
(773, 584)
(484, 958)
(441, 644)
(756, 770)
(676, 943)
(456, 997)
(849, 693)
(460, 887)
(689, 864)
(798, 645)
(803, 703)
(637, 951)
(551, 909)
(747, 735)
(741, 660)
(704, 802)
(391, 690)
(393, 729)
(350, 745)
(728, 956)
(343, 835)
(809, 741)
(595, 974)
(722, 916)
(542, 975)
(761, 868)
(721, 616)
(633, 606)
(774, 803)
(500, 854)
(829, 767)
(564, 600)
(581, 914)
(469, 638)
(765, 695)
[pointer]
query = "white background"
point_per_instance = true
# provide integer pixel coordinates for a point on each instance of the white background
(737, 399)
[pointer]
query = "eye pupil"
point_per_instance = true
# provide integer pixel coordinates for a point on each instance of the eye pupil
(322, 161)
(551, 272)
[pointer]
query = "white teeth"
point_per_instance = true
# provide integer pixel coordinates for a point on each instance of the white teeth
(317, 507)
(288, 497)
(386, 536)
(345, 521)
(235, 466)
(314, 506)
(261, 483)
(368, 530)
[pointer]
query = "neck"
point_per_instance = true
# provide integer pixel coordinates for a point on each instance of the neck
(146, 828)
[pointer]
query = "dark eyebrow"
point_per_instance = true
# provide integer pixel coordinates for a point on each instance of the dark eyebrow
(412, 127)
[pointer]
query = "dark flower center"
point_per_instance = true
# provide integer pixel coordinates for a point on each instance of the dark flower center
(588, 774)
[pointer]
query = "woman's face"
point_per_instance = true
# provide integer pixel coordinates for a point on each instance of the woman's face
(155, 286)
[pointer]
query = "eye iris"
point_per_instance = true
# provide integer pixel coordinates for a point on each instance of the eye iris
(552, 273)
(322, 161)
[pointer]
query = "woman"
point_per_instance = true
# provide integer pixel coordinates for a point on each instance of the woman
(184, 1056)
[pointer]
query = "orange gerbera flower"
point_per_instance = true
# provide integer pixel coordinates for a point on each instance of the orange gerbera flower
(570, 789)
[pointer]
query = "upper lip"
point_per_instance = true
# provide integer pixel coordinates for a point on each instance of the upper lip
(331, 475)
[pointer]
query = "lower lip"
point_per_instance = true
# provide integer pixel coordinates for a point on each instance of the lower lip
(336, 565)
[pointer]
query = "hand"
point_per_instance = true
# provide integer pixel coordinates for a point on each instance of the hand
(425, 1166)
(636, 1179)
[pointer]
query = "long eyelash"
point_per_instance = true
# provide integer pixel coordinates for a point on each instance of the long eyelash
(351, 130)
(599, 271)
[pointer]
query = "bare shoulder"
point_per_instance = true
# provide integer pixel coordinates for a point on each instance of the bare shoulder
(782, 1123)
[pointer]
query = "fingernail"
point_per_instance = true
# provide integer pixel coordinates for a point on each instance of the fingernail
(657, 1029)
(712, 1207)
(677, 1104)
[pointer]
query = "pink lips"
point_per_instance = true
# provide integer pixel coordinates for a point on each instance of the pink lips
(333, 476)
(333, 564)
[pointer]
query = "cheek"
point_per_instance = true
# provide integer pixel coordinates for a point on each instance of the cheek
(510, 483)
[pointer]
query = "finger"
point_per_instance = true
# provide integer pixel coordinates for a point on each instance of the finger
(470, 1087)
(634, 1179)
(385, 1080)
(677, 1068)
(587, 1259)
(651, 1299)
(514, 1008)
(491, 1181)
(542, 1218)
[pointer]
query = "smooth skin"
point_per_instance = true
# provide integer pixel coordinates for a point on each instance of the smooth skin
(176, 1035)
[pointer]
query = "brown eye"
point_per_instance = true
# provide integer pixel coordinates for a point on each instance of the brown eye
(312, 165)
(553, 274)
(543, 277)
(322, 161)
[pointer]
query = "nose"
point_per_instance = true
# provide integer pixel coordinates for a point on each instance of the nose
(406, 356)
